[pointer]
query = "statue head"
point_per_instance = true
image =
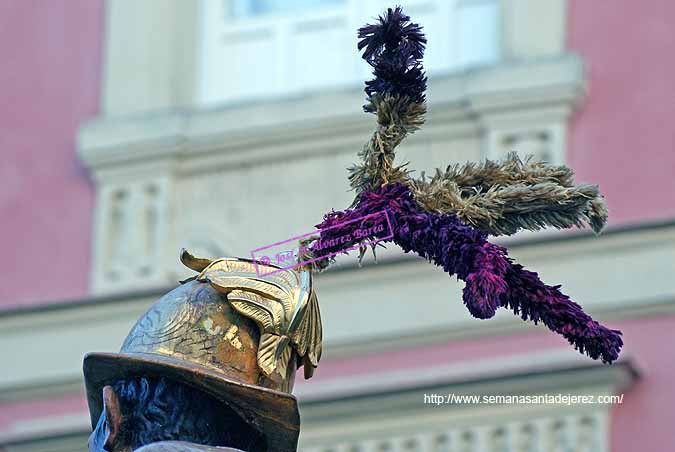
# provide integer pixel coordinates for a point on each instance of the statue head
(212, 362)
(140, 411)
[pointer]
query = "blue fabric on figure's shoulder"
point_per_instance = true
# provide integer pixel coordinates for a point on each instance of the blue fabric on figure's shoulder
(181, 446)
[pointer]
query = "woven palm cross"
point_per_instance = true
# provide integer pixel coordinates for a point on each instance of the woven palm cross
(447, 218)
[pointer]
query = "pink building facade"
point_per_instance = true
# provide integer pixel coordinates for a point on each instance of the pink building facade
(51, 83)
(66, 129)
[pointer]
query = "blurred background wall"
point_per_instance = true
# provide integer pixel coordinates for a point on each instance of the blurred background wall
(51, 69)
(131, 129)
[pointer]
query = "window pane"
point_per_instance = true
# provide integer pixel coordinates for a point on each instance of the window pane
(247, 8)
(478, 32)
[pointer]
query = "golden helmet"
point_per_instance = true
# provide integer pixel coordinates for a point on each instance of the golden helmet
(231, 333)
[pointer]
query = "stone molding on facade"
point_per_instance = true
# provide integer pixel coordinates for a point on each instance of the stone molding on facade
(398, 419)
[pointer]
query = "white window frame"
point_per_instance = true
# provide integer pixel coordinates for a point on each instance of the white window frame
(275, 55)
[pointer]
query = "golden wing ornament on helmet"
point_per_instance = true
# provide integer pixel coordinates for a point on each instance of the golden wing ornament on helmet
(283, 304)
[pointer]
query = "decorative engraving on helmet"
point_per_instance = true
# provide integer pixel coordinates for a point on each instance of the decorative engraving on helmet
(283, 305)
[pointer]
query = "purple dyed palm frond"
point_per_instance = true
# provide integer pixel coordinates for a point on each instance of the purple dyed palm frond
(393, 33)
(492, 279)
(394, 47)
